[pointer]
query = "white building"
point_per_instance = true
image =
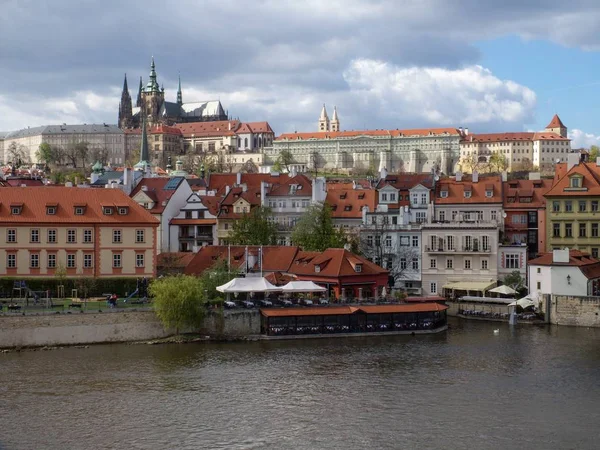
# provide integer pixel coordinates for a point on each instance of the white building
(565, 272)
(194, 227)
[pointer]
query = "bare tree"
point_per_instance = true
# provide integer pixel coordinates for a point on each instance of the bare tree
(99, 154)
(18, 154)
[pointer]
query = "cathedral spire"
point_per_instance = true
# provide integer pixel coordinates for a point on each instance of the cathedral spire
(125, 109)
(323, 120)
(179, 96)
(138, 103)
(144, 162)
(125, 88)
(335, 121)
(152, 85)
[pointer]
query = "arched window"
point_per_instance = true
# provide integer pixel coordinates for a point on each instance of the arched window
(255, 142)
(260, 142)
(245, 142)
(239, 142)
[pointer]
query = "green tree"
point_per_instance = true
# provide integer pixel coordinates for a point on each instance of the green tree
(219, 274)
(179, 301)
(594, 153)
(515, 280)
(315, 231)
(497, 162)
(254, 228)
(45, 153)
(284, 160)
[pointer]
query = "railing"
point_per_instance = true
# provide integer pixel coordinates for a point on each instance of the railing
(463, 249)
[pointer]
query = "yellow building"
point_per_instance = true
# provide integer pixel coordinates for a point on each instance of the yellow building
(90, 232)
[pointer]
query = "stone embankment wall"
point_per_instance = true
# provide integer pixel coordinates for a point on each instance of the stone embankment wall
(118, 326)
(574, 311)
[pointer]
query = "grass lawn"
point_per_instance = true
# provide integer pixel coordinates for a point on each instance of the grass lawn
(94, 304)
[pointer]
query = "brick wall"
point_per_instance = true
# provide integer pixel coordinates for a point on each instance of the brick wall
(574, 311)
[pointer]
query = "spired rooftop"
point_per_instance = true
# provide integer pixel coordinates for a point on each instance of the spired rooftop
(353, 320)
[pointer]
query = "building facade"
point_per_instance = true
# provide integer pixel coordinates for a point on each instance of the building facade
(88, 232)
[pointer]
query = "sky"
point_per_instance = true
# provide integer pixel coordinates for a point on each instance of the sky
(487, 65)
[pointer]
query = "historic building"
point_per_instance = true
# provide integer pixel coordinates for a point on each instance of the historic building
(152, 105)
(88, 232)
(521, 151)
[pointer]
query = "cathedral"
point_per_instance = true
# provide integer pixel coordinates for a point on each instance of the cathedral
(152, 106)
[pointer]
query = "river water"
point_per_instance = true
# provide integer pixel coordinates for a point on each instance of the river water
(468, 388)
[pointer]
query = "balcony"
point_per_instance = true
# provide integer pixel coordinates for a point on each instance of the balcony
(458, 250)
(464, 224)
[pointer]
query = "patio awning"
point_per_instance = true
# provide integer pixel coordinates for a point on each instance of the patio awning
(504, 290)
(302, 286)
(250, 284)
(470, 285)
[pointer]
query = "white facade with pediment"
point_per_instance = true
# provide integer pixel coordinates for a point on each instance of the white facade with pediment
(193, 228)
(418, 154)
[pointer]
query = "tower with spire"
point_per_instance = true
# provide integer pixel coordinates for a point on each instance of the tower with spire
(324, 120)
(179, 96)
(556, 126)
(153, 98)
(144, 162)
(138, 102)
(335, 121)
(125, 107)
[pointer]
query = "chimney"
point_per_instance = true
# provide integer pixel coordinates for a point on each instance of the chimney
(238, 179)
(572, 160)
(598, 161)
(460, 131)
(94, 177)
(466, 131)
(458, 176)
(560, 255)
(475, 176)
(383, 173)
(229, 126)
(504, 175)
(263, 193)
(293, 172)
(227, 189)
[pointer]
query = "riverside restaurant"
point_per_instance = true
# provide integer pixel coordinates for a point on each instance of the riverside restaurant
(352, 320)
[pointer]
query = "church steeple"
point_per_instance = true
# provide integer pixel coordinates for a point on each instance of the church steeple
(138, 103)
(144, 162)
(125, 109)
(179, 96)
(152, 85)
(335, 121)
(324, 120)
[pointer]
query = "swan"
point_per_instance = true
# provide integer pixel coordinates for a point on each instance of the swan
(496, 331)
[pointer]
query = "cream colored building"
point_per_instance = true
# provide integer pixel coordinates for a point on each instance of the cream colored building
(88, 232)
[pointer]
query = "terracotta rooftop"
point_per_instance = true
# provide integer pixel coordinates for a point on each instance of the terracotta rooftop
(333, 262)
(456, 190)
(405, 181)
(555, 122)
(512, 137)
(300, 186)
(590, 267)
(349, 203)
(373, 133)
(223, 128)
(525, 194)
(35, 200)
(156, 189)
(590, 185)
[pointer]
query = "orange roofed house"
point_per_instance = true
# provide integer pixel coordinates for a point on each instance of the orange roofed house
(89, 232)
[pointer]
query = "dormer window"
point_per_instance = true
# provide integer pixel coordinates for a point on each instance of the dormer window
(467, 194)
(444, 194)
(348, 208)
(575, 182)
(51, 210)
(317, 268)
(489, 194)
(79, 210)
(358, 268)
(107, 210)
(123, 210)
(16, 209)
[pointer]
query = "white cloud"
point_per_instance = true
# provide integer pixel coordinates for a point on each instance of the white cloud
(581, 139)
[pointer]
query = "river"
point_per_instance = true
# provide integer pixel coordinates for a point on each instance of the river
(527, 388)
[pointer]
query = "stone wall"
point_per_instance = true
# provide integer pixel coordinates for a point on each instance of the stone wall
(119, 326)
(574, 311)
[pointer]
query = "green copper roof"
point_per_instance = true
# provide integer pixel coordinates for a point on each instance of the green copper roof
(97, 167)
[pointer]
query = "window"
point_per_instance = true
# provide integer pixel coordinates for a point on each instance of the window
(51, 261)
(11, 261)
(384, 197)
(34, 261)
(511, 261)
(582, 205)
(539, 270)
(71, 236)
(51, 210)
(444, 194)
(432, 263)
(450, 240)
(305, 203)
(15, 210)
(594, 252)
(403, 264)
(87, 261)
(555, 206)
(139, 260)
(122, 211)
(433, 288)
(415, 264)
(107, 211)
(70, 261)
(35, 235)
(87, 236)
(484, 264)
(421, 217)
(568, 206)
(370, 241)
(575, 182)
(539, 285)
(424, 198)
(485, 242)
(116, 236)
(582, 229)
(494, 215)
(79, 211)
(556, 230)
(568, 230)
(442, 216)
(139, 236)
(467, 264)
(454, 214)
(358, 268)
(11, 235)
(595, 205)
(388, 241)
(449, 263)
(467, 194)
(595, 230)
(377, 241)
(489, 194)
(415, 241)
(392, 197)
(117, 260)
(51, 236)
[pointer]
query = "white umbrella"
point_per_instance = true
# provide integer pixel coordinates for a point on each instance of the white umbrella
(504, 290)
(524, 302)
(250, 284)
(302, 286)
(384, 292)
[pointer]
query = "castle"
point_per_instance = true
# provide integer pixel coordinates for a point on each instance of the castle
(152, 106)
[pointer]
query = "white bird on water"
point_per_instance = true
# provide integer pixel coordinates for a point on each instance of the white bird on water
(496, 331)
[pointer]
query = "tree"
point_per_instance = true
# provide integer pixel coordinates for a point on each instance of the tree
(497, 162)
(179, 301)
(254, 228)
(45, 153)
(470, 163)
(100, 154)
(283, 161)
(18, 154)
(515, 280)
(387, 247)
(77, 152)
(594, 153)
(315, 231)
(219, 274)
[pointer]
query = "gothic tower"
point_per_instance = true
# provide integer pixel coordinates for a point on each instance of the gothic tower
(556, 126)
(324, 120)
(125, 110)
(152, 98)
(179, 96)
(138, 102)
(335, 121)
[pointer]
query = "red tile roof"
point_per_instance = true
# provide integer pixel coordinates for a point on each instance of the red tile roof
(333, 262)
(226, 206)
(345, 184)
(522, 189)
(590, 267)
(35, 199)
(456, 190)
(349, 203)
(405, 181)
(222, 128)
(282, 187)
(163, 129)
(591, 180)
(555, 122)
(482, 138)
(218, 181)
(373, 133)
(155, 191)
(174, 260)
(24, 182)
(193, 221)
(211, 202)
